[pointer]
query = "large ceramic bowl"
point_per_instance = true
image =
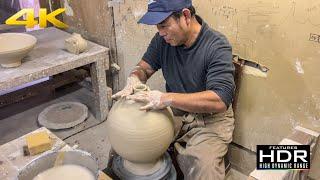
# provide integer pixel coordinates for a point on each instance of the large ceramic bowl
(14, 47)
(46, 161)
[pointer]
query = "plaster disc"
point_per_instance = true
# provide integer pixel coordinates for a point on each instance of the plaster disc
(63, 115)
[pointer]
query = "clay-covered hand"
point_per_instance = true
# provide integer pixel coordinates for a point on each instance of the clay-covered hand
(132, 81)
(154, 99)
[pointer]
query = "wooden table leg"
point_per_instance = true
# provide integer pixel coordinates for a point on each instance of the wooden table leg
(99, 86)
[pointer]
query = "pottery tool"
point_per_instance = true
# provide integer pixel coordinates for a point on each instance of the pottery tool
(59, 159)
(252, 68)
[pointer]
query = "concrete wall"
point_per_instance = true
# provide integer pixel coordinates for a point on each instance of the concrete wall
(278, 34)
(133, 39)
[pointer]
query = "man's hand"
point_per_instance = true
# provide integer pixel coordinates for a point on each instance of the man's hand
(154, 99)
(132, 81)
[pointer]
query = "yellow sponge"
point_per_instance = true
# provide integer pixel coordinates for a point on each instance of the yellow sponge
(38, 142)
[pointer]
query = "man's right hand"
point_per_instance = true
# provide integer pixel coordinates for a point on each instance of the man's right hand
(132, 81)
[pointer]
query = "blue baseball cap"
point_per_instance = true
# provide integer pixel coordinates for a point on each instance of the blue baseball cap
(159, 10)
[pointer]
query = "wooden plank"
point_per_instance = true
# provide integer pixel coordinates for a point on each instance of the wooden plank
(47, 86)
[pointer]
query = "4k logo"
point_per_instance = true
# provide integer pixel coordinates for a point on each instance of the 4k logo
(30, 22)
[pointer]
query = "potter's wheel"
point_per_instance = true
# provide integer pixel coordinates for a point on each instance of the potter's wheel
(63, 115)
(165, 171)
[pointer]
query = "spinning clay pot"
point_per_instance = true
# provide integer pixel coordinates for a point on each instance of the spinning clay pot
(139, 136)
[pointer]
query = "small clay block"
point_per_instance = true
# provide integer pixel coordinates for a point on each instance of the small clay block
(38, 142)
(75, 44)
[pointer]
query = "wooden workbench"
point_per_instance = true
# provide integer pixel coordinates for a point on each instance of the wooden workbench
(49, 58)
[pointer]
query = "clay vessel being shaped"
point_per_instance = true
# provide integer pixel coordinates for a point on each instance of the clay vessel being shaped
(138, 136)
(14, 47)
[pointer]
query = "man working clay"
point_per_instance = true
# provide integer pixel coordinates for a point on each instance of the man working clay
(196, 62)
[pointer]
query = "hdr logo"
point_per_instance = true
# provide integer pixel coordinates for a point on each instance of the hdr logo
(30, 22)
(283, 157)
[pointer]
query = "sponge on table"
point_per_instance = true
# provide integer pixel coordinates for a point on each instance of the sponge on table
(38, 142)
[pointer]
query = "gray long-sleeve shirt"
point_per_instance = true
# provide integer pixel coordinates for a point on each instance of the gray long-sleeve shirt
(206, 65)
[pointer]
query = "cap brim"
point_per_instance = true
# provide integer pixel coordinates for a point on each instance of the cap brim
(153, 18)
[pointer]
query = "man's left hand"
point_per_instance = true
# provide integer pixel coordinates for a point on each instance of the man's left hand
(154, 99)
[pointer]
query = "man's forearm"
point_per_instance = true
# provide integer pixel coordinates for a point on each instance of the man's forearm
(143, 71)
(201, 102)
(140, 74)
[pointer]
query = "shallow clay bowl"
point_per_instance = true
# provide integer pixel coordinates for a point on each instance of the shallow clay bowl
(14, 47)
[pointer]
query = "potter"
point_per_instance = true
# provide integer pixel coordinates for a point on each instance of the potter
(196, 62)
